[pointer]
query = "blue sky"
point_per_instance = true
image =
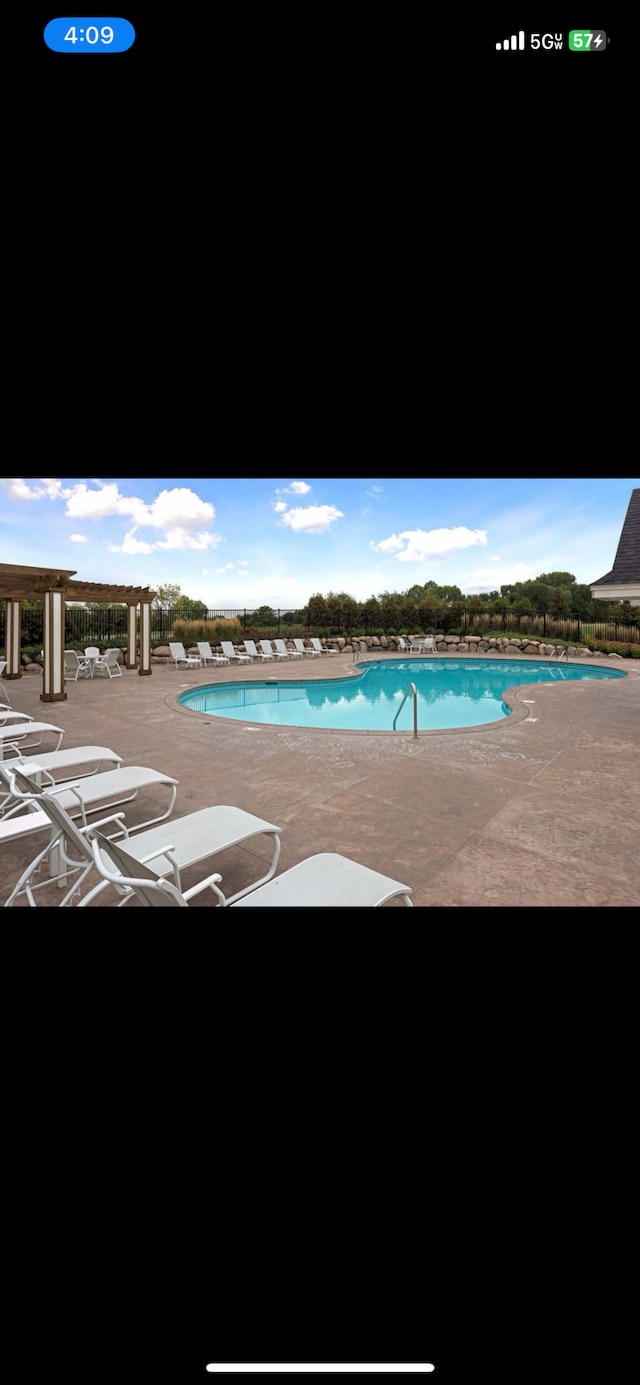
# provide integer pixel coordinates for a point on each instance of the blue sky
(248, 541)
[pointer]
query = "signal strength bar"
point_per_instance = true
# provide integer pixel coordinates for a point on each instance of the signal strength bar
(515, 42)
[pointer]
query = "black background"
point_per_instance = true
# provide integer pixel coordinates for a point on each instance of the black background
(348, 210)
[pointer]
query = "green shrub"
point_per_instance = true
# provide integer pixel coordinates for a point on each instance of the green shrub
(626, 651)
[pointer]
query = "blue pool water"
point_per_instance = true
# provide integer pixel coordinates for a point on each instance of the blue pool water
(451, 693)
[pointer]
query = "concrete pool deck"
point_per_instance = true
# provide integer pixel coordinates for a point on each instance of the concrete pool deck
(541, 808)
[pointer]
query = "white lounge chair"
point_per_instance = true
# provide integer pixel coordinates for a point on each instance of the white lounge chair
(8, 715)
(228, 649)
(3, 692)
(60, 763)
(208, 655)
(13, 735)
(92, 794)
(270, 652)
(325, 880)
(173, 848)
(305, 649)
(321, 648)
(94, 756)
(428, 645)
(402, 645)
(250, 646)
(23, 824)
(182, 660)
(108, 664)
(288, 653)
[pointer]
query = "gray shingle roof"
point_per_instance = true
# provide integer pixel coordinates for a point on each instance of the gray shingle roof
(626, 564)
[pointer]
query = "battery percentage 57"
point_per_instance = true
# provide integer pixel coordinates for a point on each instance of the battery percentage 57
(587, 41)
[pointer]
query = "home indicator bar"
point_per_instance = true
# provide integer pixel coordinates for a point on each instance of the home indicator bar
(270, 1367)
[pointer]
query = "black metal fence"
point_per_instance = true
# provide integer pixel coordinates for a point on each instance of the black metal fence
(107, 625)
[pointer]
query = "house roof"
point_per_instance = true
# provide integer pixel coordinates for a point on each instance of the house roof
(626, 564)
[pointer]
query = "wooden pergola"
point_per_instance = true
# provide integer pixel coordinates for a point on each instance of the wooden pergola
(54, 587)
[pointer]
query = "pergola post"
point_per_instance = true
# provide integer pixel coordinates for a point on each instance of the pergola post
(13, 627)
(145, 637)
(53, 646)
(132, 617)
(55, 588)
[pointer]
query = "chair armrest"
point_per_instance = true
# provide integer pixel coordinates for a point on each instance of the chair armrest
(212, 881)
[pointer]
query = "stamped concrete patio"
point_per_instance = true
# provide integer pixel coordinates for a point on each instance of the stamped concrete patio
(542, 808)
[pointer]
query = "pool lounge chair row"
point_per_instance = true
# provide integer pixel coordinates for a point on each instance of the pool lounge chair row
(146, 862)
(268, 651)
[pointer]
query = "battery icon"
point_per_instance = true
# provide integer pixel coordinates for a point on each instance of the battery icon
(587, 41)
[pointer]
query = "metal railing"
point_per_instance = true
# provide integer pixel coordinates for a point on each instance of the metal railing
(411, 691)
(108, 624)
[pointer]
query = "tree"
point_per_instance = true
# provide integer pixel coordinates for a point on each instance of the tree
(170, 597)
(316, 611)
(167, 596)
(197, 609)
(560, 602)
(556, 579)
(264, 616)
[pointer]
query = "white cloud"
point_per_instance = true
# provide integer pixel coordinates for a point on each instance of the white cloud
(296, 488)
(131, 545)
(17, 489)
(491, 579)
(179, 509)
(375, 492)
(418, 545)
(83, 503)
(182, 539)
(78, 538)
(315, 519)
(279, 506)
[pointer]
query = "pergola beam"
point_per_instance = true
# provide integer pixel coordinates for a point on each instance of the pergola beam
(56, 588)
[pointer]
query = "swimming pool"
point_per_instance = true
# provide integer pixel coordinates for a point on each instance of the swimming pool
(450, 693)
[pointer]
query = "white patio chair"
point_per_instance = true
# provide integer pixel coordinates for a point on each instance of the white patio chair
(76, 666)
(233, 657)
(254, 653)
(208, 655)
(428, 645)
(325, 880)
(109, 664)
(182, 660)
(288, 653)
(173, 848)
(3, 692)
(402, 645)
